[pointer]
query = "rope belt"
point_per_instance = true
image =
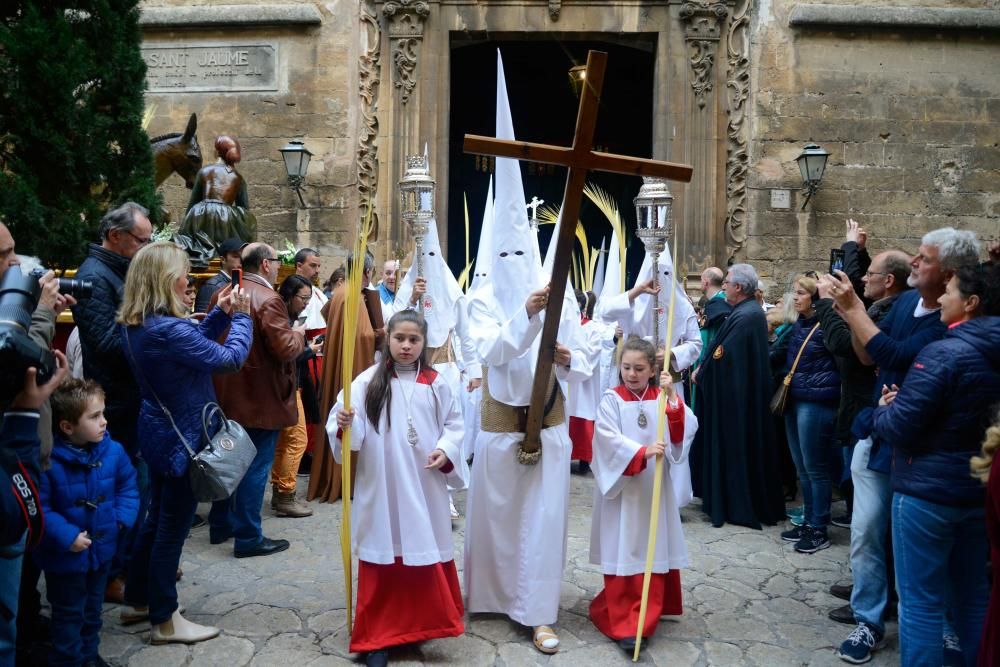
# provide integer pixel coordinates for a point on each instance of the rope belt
(499, 417)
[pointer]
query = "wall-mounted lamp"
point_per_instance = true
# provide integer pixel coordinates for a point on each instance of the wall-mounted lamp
(577, 76)
(812, 164)
(296, 157)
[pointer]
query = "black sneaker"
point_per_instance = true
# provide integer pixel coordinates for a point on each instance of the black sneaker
(860, 644)
(378, 658)
(795, 534)
(842, 521)
(952, 651)
(812, 541)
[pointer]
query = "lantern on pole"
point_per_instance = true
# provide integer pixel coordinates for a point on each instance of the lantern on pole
(416, 192)
(653, 211)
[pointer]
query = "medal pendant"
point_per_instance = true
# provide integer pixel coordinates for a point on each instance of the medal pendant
(428, 303)
(642, 419)
(411, 435)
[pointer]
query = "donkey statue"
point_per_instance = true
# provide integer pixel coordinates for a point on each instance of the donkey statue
(178, 152)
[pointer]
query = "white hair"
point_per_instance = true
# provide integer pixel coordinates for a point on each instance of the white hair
(956, 247)
(744, 276)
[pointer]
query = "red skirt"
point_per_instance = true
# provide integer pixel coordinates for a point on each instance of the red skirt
(615, 610)
(401, 604)
(581, 434)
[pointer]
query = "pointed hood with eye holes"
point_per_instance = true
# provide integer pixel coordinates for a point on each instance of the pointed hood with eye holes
(483, 257)
(442, 293)
(643, 311)
(515, 269)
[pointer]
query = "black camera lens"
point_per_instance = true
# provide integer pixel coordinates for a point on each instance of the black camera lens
(19, 293)
(78, 289)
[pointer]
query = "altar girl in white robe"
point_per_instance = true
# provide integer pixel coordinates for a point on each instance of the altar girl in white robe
(407, 429)
(624, 471)
(635, 314)
(584, 396)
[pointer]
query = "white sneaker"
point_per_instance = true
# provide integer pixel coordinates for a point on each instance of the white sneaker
(181, 631)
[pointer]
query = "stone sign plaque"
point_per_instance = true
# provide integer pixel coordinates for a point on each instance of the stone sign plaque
(210, 68)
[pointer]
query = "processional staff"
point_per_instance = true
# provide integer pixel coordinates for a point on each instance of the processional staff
(416, 194)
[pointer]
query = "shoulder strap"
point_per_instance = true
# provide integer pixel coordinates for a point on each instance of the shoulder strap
(798, 356)
(142, 378)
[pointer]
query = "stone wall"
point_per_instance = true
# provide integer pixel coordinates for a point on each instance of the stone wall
(911, 117)
(316, 51)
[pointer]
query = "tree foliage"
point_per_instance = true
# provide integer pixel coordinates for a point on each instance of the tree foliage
(71, 138)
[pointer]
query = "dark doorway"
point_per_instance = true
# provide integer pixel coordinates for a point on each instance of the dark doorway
(544, 107)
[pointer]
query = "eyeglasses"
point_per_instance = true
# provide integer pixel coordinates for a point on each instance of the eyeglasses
(269, 259)
(869, 274)
(139, 239)
(304, 299)
(811, 274)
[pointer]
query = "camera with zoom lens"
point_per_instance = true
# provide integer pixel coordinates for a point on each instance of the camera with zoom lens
(78, 289)
(19, 294)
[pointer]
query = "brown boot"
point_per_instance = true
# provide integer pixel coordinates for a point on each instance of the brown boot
(115, 591)
(286, 504)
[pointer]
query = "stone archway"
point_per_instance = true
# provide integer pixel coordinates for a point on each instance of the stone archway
(700, 98)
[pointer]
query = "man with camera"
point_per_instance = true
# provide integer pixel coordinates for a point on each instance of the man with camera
(124, 231)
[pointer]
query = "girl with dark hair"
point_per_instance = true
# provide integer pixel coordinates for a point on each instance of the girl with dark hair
(407, 429)
(624, 446)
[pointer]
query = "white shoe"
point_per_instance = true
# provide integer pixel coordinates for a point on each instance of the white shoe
(451, 507)
(130, 615)
(182, 631)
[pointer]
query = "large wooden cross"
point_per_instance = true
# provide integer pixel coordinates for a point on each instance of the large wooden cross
(580, 159)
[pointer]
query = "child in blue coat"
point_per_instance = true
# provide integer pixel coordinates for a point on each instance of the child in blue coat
(88, 496)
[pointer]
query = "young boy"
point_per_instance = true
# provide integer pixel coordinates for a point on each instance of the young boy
(88, 496)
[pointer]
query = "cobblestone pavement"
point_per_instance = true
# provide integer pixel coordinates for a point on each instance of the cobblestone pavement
(749, 599)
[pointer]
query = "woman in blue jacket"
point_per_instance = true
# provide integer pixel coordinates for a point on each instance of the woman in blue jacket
(941, 414)
(810, 415)
(173, 360)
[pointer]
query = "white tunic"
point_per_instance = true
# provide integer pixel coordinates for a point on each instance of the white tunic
(584, 396)
(620, 524)
(515, 542)
(685, 344)
(401, 508)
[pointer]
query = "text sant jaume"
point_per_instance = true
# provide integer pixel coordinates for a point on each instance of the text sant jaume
(210, 68)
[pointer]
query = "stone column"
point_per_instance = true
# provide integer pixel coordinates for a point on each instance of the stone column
(404, 27)
(703, 22)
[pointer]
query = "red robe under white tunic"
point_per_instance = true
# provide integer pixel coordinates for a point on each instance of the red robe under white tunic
(622, 497)
(581, 404)
(400, 526)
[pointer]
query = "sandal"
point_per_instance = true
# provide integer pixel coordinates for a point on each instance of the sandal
(546, 640)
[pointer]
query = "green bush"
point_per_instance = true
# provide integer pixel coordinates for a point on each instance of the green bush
(71, 138)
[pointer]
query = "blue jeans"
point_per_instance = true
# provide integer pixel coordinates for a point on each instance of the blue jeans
(152, 578)
(809, 427)
(240, 513)
(10, 581)
(940, 552)
(127, 538)
(76, 600)
(869, 537)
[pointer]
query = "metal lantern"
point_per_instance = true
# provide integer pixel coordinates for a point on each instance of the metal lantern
(653, 210)
(416, 193)
(296, 157)
(812, 164)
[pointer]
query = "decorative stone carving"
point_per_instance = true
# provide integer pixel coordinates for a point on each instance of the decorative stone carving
(737, 156)
(555, 6)
(406, 30)
(369, 71)
(703, 21)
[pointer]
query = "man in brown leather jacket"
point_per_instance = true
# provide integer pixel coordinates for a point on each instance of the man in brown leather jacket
(261, 397)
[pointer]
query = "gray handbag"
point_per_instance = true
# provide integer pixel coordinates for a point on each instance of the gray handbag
(218, 468)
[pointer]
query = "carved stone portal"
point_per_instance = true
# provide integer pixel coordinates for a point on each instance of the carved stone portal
(369, 74)
(703, 22)
(738, 134)
(406, 30)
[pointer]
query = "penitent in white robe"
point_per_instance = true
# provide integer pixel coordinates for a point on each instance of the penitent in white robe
(401, 508)
(685, 344)
(584, 396)
(620, 523)
(515, 539)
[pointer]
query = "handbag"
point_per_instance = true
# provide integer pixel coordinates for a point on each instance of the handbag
(779, 402)
(219, 467)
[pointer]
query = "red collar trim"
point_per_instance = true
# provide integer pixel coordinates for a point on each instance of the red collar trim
(651, 394)
(425, 376)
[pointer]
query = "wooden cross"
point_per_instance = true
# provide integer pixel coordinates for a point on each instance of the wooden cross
(580, 159)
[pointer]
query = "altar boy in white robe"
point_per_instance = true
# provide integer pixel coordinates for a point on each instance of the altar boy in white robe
(407, 428)
(635, 314)
(624, 470)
